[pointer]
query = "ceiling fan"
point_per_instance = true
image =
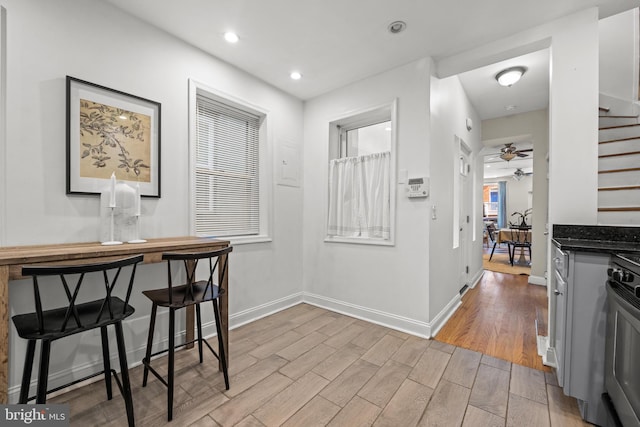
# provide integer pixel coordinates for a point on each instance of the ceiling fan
(519, 174)
(509, 152)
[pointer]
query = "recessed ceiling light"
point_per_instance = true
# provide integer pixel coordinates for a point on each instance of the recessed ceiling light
(231, 37)
(510, 76)
(510, 107)
(295, 75)
(397, 27)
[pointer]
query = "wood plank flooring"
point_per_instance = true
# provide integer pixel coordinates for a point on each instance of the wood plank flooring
(306, 366)
(498, 318)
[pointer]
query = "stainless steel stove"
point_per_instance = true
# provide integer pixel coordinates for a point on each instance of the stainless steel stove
(622, 348)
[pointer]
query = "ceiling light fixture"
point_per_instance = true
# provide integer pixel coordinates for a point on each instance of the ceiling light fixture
(397, 27)
(231, 37)
(295, 75)
(510, 76)
(507, 156)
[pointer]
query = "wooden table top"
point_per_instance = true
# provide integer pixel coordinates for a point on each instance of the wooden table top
(15, 256)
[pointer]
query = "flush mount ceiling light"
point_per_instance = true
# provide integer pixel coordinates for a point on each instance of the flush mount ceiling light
(397, 27)
(295, 75)
(510, 76)
(231, 37)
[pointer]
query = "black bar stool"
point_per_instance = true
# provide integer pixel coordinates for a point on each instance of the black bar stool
(177, 297)
(49, 325)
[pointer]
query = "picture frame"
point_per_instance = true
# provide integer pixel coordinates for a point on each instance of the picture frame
(109, 131)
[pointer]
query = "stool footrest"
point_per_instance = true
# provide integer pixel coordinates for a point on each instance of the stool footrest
(147, 363)
(53, 390)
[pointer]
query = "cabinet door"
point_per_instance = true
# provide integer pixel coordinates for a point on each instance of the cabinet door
(560, 289)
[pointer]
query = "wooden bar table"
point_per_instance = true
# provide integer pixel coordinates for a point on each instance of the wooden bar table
(13, 258)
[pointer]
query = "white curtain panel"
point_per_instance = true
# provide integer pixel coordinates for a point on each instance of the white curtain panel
(359, 196)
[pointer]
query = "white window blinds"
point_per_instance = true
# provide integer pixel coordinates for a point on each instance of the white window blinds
(227, 175)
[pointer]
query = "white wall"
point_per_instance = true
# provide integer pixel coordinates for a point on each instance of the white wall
(573, 124)
(450, 108)
(96, 42)
(382, 283)
(619, 55)
(536, 124)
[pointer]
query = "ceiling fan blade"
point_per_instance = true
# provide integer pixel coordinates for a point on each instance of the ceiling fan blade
(521, 154)
(526, 150)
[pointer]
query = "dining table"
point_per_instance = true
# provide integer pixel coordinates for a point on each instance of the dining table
(521, 234)
(509, 234)
(12, 258)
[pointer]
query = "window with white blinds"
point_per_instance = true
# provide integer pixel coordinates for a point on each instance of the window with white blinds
(227, 187)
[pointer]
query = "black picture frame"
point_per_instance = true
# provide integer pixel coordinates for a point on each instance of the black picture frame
(111, 131)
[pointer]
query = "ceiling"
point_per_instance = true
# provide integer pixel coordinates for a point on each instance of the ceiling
(336, 42)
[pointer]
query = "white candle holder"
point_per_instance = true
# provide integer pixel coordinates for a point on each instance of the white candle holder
(111, 240)
(137, 239)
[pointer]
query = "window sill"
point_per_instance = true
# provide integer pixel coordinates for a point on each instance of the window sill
(243, 240)
(359, 241)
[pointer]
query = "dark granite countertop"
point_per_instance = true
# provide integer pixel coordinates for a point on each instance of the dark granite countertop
(597, 238)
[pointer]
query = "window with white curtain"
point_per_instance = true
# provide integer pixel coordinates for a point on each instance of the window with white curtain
(361, 171)
(227, 168)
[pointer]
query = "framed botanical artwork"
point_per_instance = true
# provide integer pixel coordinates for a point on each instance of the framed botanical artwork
(109, 131)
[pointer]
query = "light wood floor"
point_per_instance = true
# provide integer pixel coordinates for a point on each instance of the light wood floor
(307, 366)
(497, 318)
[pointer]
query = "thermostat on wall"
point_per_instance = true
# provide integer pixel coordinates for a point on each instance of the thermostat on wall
(418, 187)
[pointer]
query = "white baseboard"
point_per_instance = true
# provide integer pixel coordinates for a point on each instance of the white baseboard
(441, 318)
(476, 278)
(537, 280)
(393, 321)
(254, 313)
(548, 353)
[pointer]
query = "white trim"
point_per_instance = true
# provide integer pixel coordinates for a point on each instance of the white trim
(358, 241)
(265, 166)
(389, 320)
(445, 314)
(549, 355)
(476, 278)
(252, 314)
(537, 280)
(243, 240)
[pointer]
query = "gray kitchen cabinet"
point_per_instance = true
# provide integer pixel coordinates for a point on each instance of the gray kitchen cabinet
(580, 329)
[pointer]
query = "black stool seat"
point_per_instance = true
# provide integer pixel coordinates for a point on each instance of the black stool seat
(27, 324)
(46, 325)
(193, 292)
(180, 295)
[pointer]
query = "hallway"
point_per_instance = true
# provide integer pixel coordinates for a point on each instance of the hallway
(497, 318)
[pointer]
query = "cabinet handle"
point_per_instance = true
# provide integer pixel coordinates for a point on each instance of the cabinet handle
(557, 292)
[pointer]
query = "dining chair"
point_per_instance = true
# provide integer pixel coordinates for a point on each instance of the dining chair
(493, 236)
(520, 238)
(192, 292)
(50, 324)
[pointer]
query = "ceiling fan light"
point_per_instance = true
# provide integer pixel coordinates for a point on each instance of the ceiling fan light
(507, 156)
(510, 76)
